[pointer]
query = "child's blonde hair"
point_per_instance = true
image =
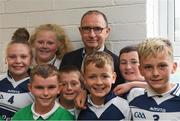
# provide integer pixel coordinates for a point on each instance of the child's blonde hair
(151, 47)
(99, 58)
(64, 46)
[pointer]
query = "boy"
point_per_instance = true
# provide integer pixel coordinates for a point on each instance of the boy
(99, 76)
(71, 79)
(45, 87)
(160, 100)
(129, 64)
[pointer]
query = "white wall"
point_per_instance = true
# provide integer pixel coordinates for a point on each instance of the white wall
(127, 19)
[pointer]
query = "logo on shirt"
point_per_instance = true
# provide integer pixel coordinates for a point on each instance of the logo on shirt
(157, 109)
(139, 115)
(13, 91)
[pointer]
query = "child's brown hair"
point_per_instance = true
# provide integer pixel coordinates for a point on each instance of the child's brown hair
(44, 70)
(99, 58)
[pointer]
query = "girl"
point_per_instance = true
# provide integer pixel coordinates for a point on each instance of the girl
(50, 44)
(14, 93)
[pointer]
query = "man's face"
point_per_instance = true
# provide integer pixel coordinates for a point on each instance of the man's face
(94, 31)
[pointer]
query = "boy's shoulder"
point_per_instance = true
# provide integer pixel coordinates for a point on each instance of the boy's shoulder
(3, 76)
(61, 114)
(135, 92)
(24, 113)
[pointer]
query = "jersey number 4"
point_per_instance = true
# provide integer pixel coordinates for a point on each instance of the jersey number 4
(11, 100)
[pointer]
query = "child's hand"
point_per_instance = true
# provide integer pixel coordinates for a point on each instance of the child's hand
(122, 88)
(81, 99)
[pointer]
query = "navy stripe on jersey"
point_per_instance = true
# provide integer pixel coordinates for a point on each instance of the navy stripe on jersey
(143, 102)
(115, 108)
(13, 95)
(145, 106)
(6, 86)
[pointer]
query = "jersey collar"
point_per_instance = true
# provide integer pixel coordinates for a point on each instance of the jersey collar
(174, 91)
(44, 116)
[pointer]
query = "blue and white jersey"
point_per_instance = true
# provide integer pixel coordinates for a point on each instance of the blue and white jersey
(115, 108)
(145, 104)
(13, 95)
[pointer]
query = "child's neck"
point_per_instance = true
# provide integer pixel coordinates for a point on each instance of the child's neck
(166, 89)
(98, 101)
(19, 77)
(43, 110)
(68, 104)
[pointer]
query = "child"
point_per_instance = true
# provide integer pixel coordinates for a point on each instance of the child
(129, 68)
(14, 93)
(50, 43)
(129, 64)
(45, 87)
(71, 80)
(160, 100)
(99, 76)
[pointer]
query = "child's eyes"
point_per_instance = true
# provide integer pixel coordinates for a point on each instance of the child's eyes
(12, 56)
(40, 42)
(64, 84)
(105, 76)
(163, 66)
(23, 56)
(147, 67)
(50, 43)
(74, 84)
(134, 62)
(92, 77)
(39, 87)
(52, 87)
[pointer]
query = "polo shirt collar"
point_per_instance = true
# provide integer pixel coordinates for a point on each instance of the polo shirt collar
(44, 116)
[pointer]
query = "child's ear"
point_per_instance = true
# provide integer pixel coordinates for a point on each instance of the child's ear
(114, 77)
(30, 87)
(174, 68)
(60, 87)
(141, 70)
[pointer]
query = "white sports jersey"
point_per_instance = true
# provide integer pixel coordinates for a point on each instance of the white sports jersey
(114, 109)
(147, 105)
(13, 95)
